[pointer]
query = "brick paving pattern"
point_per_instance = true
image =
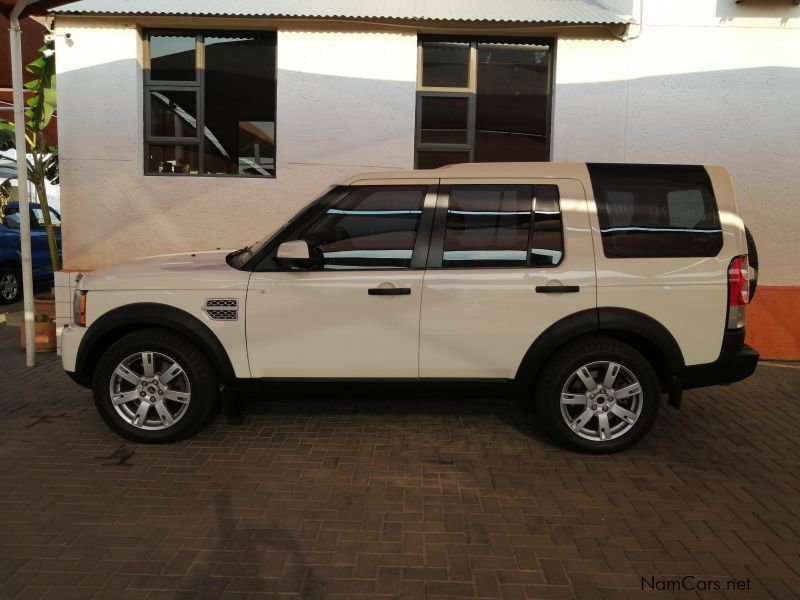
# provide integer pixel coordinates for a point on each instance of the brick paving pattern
(376, 498)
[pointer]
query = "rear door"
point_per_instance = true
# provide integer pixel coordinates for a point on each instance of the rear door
(497, 249)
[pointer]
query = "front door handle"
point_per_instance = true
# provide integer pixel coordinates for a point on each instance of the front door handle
(389, 291)
(557, 289)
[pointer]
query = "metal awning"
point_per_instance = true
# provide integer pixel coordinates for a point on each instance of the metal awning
(587, 12)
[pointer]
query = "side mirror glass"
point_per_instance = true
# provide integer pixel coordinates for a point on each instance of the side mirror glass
(298, 255)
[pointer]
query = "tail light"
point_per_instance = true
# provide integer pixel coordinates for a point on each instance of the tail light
(738, 292)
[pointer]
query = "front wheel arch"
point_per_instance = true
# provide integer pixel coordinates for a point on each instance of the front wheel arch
(132, 317)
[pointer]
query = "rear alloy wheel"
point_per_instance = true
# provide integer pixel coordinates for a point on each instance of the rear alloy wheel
(154, 386)
(598, 395)
(9, 286)
(601, 401)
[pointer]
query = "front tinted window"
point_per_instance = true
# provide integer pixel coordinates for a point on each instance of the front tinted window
(488, 226)
(656, 211)
(373, 227)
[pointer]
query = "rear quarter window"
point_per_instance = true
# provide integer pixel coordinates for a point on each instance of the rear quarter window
(651, 211)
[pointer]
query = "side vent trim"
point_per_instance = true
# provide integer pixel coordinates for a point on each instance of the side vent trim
(222, 309)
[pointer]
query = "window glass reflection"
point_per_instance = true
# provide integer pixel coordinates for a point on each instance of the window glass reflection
(173, 113)
(239, 105)
(373, 227)
(488, 226)
(173, 58)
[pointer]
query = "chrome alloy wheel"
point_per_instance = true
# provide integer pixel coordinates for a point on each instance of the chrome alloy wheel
(9, 286)
(150, 390)
(601, 401)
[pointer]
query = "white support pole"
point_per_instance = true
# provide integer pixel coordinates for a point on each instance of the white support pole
(15, 40)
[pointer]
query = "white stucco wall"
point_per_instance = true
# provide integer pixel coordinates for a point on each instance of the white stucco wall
(706, 81)
(345, 104)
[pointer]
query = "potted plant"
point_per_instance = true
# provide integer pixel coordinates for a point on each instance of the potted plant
(45, 304)
(45, 332)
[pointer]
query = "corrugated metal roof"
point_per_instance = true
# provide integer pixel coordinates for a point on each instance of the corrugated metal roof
(519, 11)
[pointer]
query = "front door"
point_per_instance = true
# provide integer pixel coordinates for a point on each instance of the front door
(358, 315)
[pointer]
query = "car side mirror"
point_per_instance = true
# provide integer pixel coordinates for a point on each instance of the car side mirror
(10, 223)
(298, 255)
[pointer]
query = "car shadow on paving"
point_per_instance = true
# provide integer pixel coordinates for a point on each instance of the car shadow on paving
(374, 498)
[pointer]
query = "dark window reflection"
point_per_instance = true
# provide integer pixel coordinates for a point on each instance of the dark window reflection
(547, 244)
(433, 159)
(167, 158)
(373, 227)
(511, 104)
(173, 58)
(656, 211)
(445, 64)
(173, 113)
(505, 118)
(240, 105)
(488, 226)
(444, 120)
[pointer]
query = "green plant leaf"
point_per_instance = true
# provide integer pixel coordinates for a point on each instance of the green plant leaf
(6, 134)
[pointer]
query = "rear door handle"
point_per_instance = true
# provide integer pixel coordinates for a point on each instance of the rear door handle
(389, 291)
(557, 289)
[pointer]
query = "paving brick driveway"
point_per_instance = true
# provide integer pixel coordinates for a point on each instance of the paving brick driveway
(386, 499)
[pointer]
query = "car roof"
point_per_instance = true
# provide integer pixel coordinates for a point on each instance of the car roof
(13, 206)
(493, 170)
(563, 170)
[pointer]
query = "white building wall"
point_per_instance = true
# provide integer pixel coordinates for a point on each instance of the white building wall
(706, 81)
(345, 104)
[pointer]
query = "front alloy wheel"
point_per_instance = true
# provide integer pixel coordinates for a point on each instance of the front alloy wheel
(597, 395)
(150, 390)
(152, 385)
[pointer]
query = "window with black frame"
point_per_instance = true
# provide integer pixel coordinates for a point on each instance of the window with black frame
(483, 100)
(210, 103)
(370, 228)
(503, 226)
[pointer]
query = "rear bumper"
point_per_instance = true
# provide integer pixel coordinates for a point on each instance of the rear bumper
(736, 361)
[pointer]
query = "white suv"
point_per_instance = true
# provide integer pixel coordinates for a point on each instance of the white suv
(589, 288)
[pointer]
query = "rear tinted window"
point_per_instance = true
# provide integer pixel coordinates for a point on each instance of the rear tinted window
(649, 211)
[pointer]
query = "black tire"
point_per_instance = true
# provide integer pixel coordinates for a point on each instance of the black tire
(202, 380)
(10, 285)
(752, 259)
(561, 369)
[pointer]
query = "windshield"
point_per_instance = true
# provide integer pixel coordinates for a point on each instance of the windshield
(238, 258)
(55, 220)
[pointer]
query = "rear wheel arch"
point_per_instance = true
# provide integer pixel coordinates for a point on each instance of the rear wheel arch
(636, 329)
(126, 319)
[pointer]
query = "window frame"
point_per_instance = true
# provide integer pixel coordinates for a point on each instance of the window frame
(436, 251)
(471, 90)
(198, 85)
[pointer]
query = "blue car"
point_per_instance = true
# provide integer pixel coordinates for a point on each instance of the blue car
(11, 253)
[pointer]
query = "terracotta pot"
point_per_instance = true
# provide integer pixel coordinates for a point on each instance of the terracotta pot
(45, 305)
(45, 336)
